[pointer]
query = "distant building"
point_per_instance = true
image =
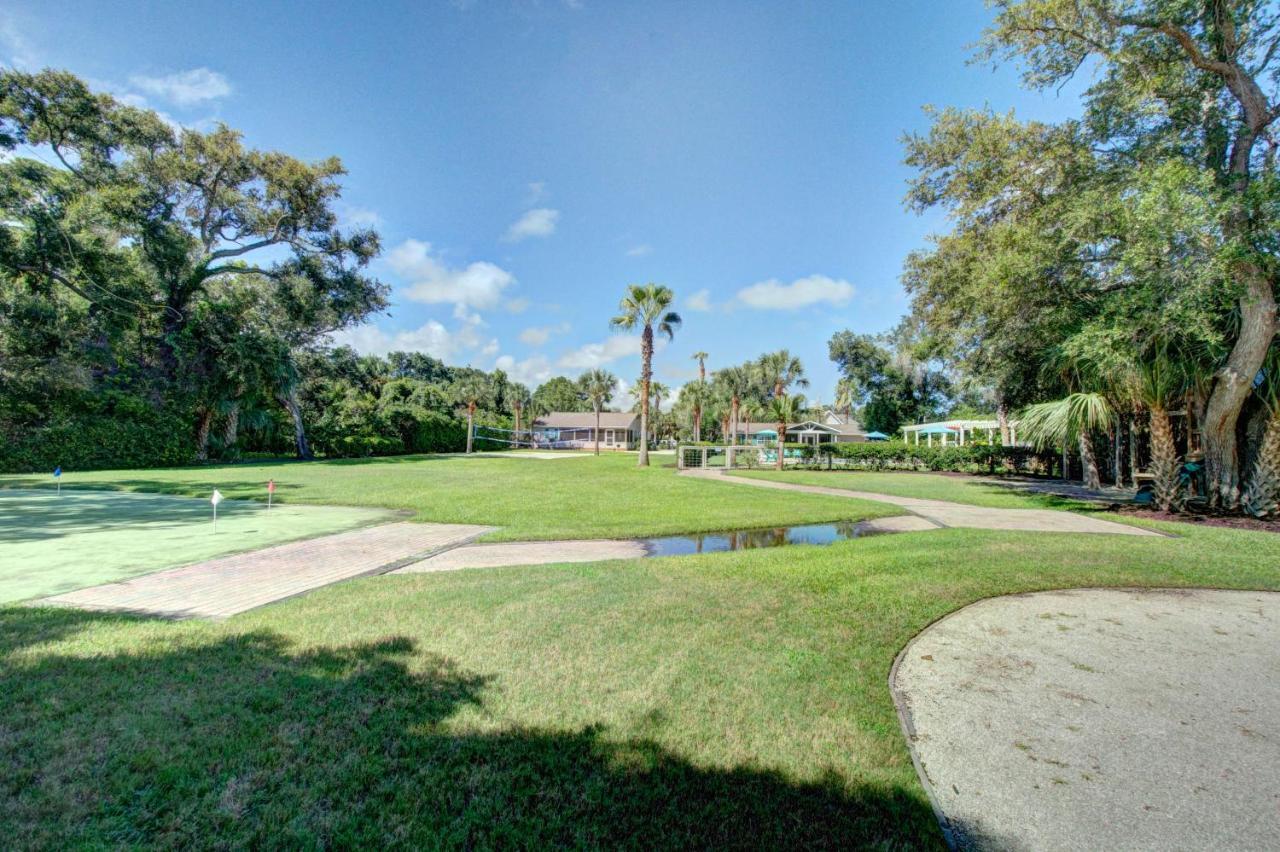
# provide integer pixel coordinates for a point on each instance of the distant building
(577, 430)
(804, 432)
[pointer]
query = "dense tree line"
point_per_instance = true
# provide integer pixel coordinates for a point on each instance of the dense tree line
(1123, 263)
(167, 295)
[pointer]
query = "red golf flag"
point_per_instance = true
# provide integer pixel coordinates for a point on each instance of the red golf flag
(271, 486)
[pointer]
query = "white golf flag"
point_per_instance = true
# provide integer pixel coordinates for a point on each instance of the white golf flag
(216, 498)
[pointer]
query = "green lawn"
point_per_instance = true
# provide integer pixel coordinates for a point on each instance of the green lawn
(928, 486)
(734, 699)
(53, 544)
(529, 498)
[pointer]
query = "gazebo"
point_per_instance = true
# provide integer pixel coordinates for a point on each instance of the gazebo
(963, 431)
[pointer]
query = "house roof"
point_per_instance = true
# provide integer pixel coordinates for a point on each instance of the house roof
(850, 428)
(587, 420)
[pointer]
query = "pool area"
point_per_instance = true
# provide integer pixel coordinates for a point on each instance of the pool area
(717, 542)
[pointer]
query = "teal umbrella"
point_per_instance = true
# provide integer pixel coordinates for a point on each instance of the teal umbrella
(877, 436)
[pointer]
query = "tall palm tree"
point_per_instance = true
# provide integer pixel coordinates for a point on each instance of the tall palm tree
(783, 410)
(1072, 419)
(519, 396)
(781, 370)
(469, 392)
(737, 383)
(598, 387)
(697, 395)
(644, 307)
(701, 358)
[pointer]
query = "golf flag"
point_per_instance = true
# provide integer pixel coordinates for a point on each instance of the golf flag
(271, 489)
(57, 477)
(215, 500)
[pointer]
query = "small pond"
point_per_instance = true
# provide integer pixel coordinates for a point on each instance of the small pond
(679, 545)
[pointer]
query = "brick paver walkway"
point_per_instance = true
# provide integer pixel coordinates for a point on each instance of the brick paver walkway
(947, 514)
(222, 587)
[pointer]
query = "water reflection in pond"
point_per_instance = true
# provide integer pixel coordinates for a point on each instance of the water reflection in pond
(679, 545)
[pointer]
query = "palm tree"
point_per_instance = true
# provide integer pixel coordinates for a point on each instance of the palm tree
(780, 370)
(701, 358)
(657, 390)
(519, 396)
(1074, 418)
(697, 394)
(737, 383)
(469, 392)
(783, 410)
(643, 307)
(598, 386)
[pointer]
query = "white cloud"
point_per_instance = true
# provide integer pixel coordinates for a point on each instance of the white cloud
(699, 301)
(538, 335)
(358, 217)
(516, 306)
(598, 354)
(184, 88)
(432, 337)
(478, 285)
(531, 371)
(18, 52)
(538, 222)
(801, 293)
(640, 250)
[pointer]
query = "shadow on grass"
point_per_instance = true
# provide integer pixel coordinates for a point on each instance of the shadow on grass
(28, 517)
(193, 739)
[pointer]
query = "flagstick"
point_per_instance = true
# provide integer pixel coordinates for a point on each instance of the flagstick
(215, 518)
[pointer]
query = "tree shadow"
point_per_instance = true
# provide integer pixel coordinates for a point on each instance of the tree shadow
(28, 516)
(182, 736)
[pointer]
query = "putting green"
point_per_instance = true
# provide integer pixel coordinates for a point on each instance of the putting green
(51, 544)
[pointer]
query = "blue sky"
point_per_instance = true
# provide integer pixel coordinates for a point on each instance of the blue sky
(525, 160)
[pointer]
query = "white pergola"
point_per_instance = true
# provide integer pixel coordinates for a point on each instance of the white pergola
(958, 431)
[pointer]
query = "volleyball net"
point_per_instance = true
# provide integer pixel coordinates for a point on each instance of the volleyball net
(539, 439)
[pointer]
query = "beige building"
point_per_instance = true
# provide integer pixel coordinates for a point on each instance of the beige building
(577, 430)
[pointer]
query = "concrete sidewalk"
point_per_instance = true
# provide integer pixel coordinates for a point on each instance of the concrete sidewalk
(946, 514)
(219, 588)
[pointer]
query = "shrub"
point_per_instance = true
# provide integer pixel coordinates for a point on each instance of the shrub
(895, 455)
(95, 442)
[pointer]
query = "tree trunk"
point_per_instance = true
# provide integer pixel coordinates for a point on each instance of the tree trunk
(1117, 474)
(697, 423)
(289, 399)
(517, 410)
(471, 424)
(597, 429)
(782, 440)
(1262, 494)
(1089, 463)
(646, 370)
(1133, 450)
(1164, 462)
(733, 420)
(204, 422)
(231, 428)
(1002, 415)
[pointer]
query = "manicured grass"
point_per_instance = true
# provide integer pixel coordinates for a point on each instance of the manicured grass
(734, 699)
(927, 486)
(529, 498)
(53, 544)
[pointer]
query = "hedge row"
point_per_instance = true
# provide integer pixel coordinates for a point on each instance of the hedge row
(89, 443)
(895, 455)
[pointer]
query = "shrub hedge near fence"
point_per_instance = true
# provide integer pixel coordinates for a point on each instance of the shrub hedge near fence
(895, 455)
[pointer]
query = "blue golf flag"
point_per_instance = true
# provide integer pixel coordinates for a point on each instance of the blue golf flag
(57, 471)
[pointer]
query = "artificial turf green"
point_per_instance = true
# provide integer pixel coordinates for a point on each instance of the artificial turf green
(577, 496)
(54, 543)
(723, 700)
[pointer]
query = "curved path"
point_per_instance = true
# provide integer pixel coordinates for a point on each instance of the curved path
(1100, 719)
(942, 513)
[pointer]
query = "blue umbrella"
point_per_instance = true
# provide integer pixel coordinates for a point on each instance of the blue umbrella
(877, 436)
(937, 430)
